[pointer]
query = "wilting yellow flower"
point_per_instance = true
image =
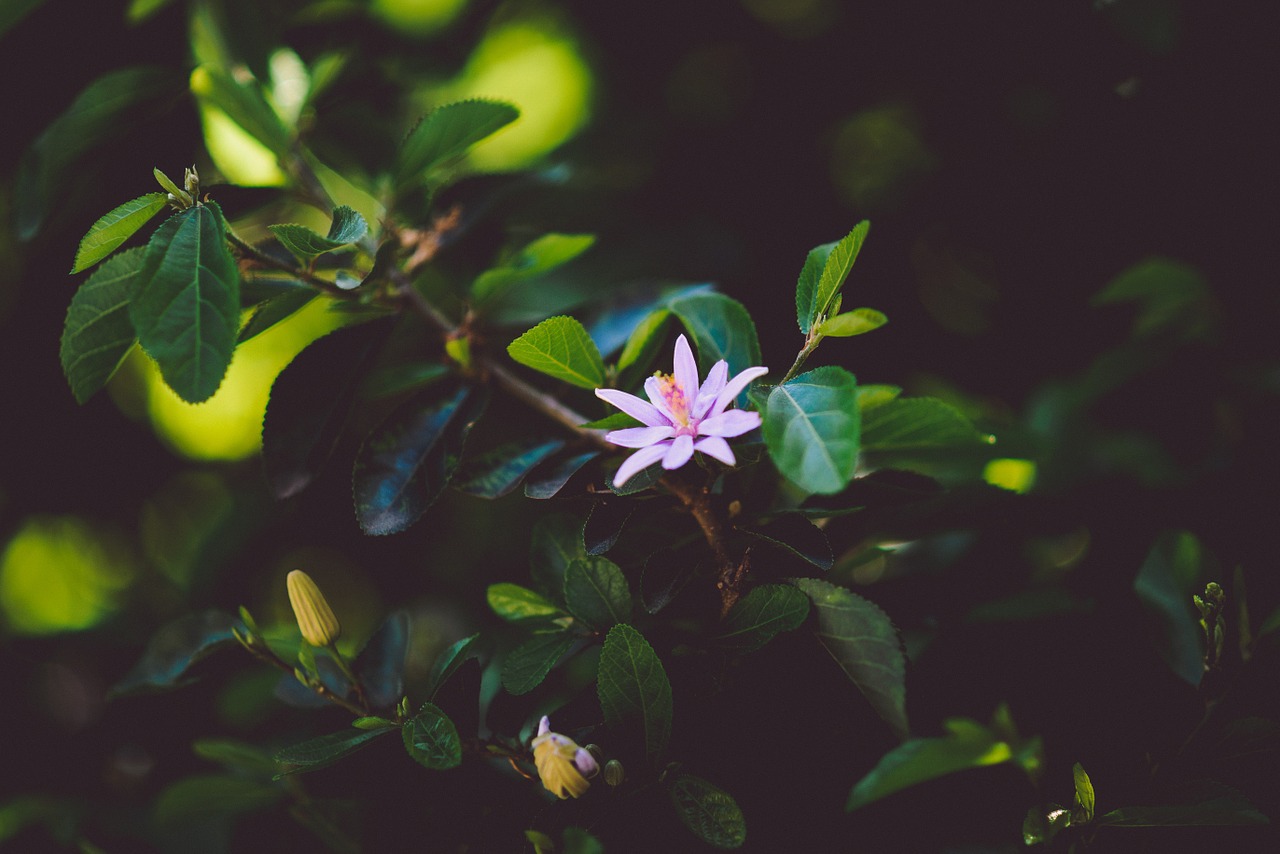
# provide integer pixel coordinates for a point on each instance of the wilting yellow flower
(315, 617)
(563, 766)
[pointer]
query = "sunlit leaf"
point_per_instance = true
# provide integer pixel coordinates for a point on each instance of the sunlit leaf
(528, 664)
(764, 612)
(432, 740)
(245, 104)
(540, 256)
(865, 644)
(348, 226)
(499, 471)
(1084, 797)
(513, 602)
(596, 592)
(114, 228)
(187, 310)
(321, 752)
(709, 811)
(560, 347)
(407, 461)
(174, 648)
(850, 323)
(633, 687)
(98, 333)
(447, 132)
(811, 427)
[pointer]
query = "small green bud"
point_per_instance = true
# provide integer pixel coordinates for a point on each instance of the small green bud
(613, 773)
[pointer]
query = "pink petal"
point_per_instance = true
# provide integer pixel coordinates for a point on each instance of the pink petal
(638, 461)
(686, 369)
(639, 437)
(679, 453)
(735, 422)
(586, 763)
(633, 406)
(654, 389)
(715, 381)
(544, 725)
(735, 386)
(714, 446)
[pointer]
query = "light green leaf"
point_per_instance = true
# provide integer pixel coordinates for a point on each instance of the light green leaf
(851, 323)
(541, 256)
(633, 686)
(807, 285)
(596, 592)
(513, 602)
(865, 644)
(709, 811)
(560, 347)
(721, 328)
(432, 740)
(323, 751)
(837, 267)
(114, 228)
(763, 613)
(528, 664)
(811, 427)
(348, 226)
(180, 195)
(447, 132)
(1084, 799)
(187, 311)
(98, 332)
(245, 104)
(915, 424)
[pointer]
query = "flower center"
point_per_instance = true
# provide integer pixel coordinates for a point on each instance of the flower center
(675, 398)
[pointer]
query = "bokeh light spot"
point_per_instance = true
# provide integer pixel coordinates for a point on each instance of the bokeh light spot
(1011, 474)
(416, 17)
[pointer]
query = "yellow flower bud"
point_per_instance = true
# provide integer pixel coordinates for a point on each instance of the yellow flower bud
(315, 618)
(562, 764)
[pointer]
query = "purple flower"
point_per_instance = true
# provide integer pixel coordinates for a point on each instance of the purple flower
(681, 416)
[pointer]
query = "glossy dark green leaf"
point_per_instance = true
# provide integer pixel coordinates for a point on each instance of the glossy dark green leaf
(97, 334)
(114, 228)
(722, 329)
(1229, 809)
(528, 664)
(850, 323)
(309, 403)
(317, 753)
(499, 471)
(174, 648)
(633, 686)
(447, 132)
(187, 310)
(513, 602)
(556, 541)
(245, 104)
(196, 799)
(271, 312)
(1164, 585)
(449, 660)
(596, 592)
(395, 379)
(913, 424)
(638, 482)
(763, 613)
(432, 740)
(560, 347)
(407, 461)
(642, 346)
(709, 811)
(538, 257)
(235, 756)
(799, 536)
(380, 664)
(807, 285)
(666, 572)
(865, 644)
(811, 427)
(605, 523)
(347, 227)
(550, 478)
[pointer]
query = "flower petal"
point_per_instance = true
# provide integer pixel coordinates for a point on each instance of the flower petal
(586, 763)
(679, 453)
(714, 446)
(654, 389)
(544, 725)
(638, 461)
(734, 387)
(735, 422)
(686, 369)
(633, 406)
(639, 437)
(715, 381)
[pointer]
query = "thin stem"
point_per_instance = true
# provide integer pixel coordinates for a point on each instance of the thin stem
(345, 667)
(810, 344)
(260, 257)
(729, 572)
(259, 649)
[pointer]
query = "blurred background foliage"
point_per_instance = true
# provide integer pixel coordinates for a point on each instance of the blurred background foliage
(1069, 239)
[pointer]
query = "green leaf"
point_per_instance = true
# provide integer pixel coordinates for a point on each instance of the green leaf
(432, 740)
(181, 196)
(187, 311)
(596, 592)
(447, 662)
(1171, 296)
(721, 328)
(320, 752)
(498, 472)
(578, 841)
(709, 811)
(114, 228)
(10, 14)
(556, 541)
(799, 536)
(967, 744)
(865, 644)
(447, 132)
(141, 10)
(174, 648)
(373, 722)
(513, 602)
(560, 347)
(1039, 828)
(394, 379)
(1226, 810)
(550, 479)
(406, 462)
(538, 257)
(807, 285)
(1170, 572)
(763, 613)
(613, 421)
(528, 664)
(914, 424)
(837, 267)
(380, 665)
(235, 756)
(852, 323)
(245, 104)
(200, 798)
(1084, 799)
(632, 685)
(98, 333)
(348, 226)
(271, 312)
(642, 347)
(811, 427)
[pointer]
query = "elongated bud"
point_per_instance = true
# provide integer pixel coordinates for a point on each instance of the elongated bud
(315, 618)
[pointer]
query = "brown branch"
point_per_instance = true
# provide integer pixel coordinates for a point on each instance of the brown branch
(729, 571)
